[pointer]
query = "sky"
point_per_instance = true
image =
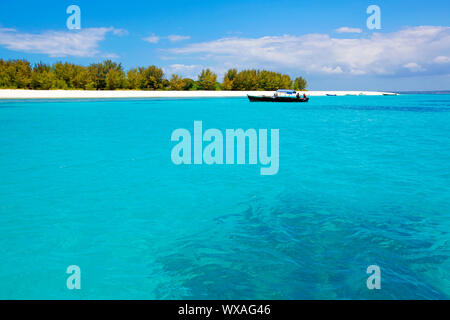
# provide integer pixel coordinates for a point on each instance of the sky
(328, 42)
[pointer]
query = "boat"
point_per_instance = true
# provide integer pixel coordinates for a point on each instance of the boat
(281, 95)
(331, 94)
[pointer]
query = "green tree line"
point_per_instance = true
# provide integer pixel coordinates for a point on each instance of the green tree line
(109, 75)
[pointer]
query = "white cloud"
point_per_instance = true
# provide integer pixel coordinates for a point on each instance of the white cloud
(348, 30)
(189, 71)
(413, 67)
(152, 39)
(109, 56)
(120, 32)
(330, 70)
(375, 54)
(7, 30)
(442, 59)
(175, 38)
(83, 43)
(172, 38)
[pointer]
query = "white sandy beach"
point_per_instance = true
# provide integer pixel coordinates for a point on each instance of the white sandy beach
(106, 94)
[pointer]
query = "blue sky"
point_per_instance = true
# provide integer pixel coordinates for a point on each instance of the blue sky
(327, 42)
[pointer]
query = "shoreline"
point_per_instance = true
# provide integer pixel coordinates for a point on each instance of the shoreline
(111, 94)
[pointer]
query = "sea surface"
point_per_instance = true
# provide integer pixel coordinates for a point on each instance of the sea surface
(362, 181)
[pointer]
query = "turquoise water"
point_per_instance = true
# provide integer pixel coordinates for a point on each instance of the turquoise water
(362, 181)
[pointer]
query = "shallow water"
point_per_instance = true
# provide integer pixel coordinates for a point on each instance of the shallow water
(362, 181)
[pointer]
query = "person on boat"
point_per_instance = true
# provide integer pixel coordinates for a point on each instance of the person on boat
(298, 95)
(275, 95)
(304, 96)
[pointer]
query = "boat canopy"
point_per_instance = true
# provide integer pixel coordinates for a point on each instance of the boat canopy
(286, 91)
